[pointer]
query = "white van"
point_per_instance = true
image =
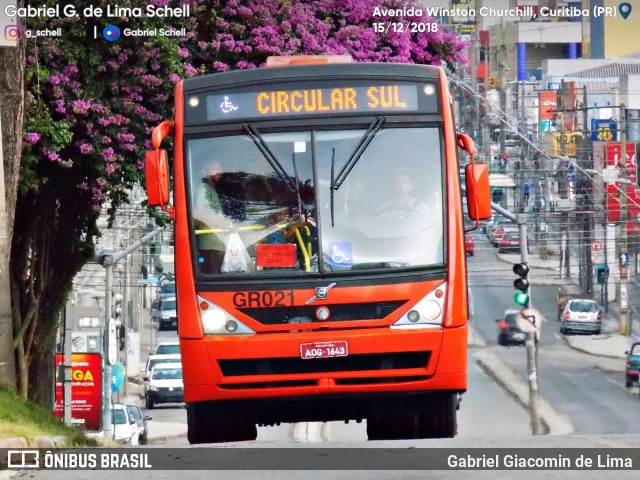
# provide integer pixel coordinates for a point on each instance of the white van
(125, 428)
(165, 385)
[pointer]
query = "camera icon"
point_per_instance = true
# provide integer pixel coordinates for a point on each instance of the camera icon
(13, 33)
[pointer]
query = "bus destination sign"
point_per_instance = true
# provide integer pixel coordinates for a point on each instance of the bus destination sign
(311, 101)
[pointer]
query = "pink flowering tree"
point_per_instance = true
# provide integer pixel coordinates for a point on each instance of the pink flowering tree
(90, 105)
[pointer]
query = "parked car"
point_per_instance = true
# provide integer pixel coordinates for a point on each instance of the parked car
(165, 385)
(566, 293)
(167, 315)
(499, 221)
(581, 315)
(125, 429)
(632, 365)
(141, 419)
(167, 289)
(469, 245)
(486, 225)
(498, 232)
(510, 242)
(167, 348)
(509, 333)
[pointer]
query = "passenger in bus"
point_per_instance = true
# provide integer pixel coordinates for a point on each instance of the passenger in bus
(208, 215)
(402, 203)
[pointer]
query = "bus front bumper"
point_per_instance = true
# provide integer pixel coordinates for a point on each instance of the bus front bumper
(378, 360)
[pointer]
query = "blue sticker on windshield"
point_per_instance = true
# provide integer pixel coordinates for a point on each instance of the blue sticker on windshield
(340, 254)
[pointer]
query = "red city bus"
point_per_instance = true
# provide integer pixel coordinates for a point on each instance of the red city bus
(319, 247)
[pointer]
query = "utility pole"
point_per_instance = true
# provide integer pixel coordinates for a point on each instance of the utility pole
(623, 249)
(487, 123)
(587, 216)
(106, 353)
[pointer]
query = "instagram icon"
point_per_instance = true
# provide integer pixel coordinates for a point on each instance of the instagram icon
(12, 33)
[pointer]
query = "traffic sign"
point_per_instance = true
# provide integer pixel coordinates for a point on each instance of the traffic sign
(529, 320)
(596, 246)
(117, 376)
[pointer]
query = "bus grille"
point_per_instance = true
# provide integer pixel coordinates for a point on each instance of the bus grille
(351, 363)
(307, 313)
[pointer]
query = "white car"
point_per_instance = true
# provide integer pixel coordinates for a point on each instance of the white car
(581, 315)
(167, 348)
(167, 315)
(125, 428)
(165, 385)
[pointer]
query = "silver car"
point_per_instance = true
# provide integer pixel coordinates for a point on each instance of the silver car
(581, 315)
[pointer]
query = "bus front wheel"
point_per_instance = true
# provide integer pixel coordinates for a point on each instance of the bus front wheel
(433, 416)
(212, 422)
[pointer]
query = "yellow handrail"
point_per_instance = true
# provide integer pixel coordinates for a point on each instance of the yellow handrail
(307, 257)
(203, 231)
(308, 232)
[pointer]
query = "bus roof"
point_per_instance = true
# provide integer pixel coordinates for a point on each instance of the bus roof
(394, 71)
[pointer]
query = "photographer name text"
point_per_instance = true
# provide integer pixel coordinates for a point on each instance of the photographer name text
(91, 11)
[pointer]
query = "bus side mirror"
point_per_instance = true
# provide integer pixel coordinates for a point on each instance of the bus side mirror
(157, 176)
(478, 191)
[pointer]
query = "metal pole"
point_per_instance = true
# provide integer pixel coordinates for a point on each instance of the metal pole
(125, 322)
(68, 356)
(531, 342)
(106, 365)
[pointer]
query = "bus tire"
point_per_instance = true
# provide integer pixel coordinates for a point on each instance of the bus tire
(209, 422)
(392, 426)
(439, 417)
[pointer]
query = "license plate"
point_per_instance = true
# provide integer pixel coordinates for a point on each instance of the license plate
(324, 349)
(518, 336)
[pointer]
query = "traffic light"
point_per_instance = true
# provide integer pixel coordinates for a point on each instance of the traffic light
(116, 313)
(144, 271)
(521, 284)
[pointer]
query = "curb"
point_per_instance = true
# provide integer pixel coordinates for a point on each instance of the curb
(553, 423)
(38, 441)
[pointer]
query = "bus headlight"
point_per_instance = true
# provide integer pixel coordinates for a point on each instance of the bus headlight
(216, 321)
(213, 319)
(426, 313)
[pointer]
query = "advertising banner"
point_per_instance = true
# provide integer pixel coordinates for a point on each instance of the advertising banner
(604, 130)
(548, 107)
(86, 374)
(615, 190)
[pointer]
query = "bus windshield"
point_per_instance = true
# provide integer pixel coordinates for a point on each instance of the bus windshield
(265, 204)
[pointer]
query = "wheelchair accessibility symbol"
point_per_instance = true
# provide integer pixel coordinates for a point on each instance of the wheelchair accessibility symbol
(340, 254)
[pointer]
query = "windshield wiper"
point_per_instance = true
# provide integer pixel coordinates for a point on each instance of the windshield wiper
(254, 135)
(357, 153)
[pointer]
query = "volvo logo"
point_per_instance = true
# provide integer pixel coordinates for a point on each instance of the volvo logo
(321, 293)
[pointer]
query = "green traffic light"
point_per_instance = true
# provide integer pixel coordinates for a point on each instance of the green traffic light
(521, 298)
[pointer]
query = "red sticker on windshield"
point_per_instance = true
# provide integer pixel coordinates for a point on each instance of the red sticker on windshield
(281, 255)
